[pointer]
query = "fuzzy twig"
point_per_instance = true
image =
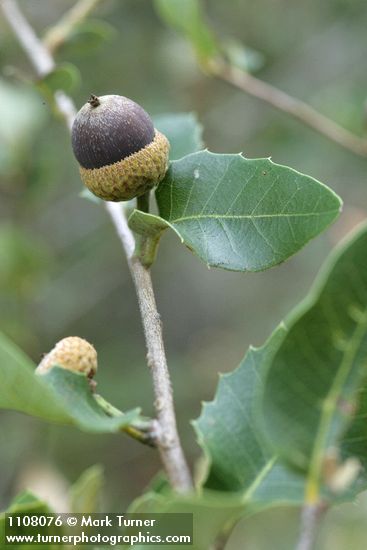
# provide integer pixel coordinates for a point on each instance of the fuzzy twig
(168, 440)
(310, 519)
(288, 104)
(166, 435)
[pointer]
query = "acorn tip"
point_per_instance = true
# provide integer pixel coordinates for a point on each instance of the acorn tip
(94, 100)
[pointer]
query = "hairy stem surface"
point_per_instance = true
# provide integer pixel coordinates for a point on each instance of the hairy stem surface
(310, 519)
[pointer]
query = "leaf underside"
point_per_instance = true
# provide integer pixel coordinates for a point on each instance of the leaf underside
(239, 460)
(314, 396)
(276, 418)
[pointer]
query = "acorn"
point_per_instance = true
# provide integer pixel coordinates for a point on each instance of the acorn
(71, 353)
(120, 153)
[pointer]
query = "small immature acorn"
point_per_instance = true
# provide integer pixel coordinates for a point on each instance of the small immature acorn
(71, 353)
(120, 153)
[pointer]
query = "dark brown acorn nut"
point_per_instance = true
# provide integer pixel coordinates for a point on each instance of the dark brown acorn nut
(120, 153)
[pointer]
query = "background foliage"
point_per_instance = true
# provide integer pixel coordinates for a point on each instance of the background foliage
(61, 271)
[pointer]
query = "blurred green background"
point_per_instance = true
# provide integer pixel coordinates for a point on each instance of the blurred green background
(61, 268)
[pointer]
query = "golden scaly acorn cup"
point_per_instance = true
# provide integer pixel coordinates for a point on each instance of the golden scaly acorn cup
(120, 153)
(71, 353)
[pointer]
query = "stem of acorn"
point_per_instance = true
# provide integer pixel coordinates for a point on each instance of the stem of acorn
(143, 202)
(146, 246)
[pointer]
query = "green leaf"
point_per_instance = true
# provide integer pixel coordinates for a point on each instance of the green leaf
(26, 500)
(73, 392)
(60, 396)
(149, 229)
(65, 76)
(241, 214)
(316, 376)
(21, 390)
(146, 224)
(184, 132)
(213, 513)
(226, 428)
(28, 504)
(85, 494)
(186, 16)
